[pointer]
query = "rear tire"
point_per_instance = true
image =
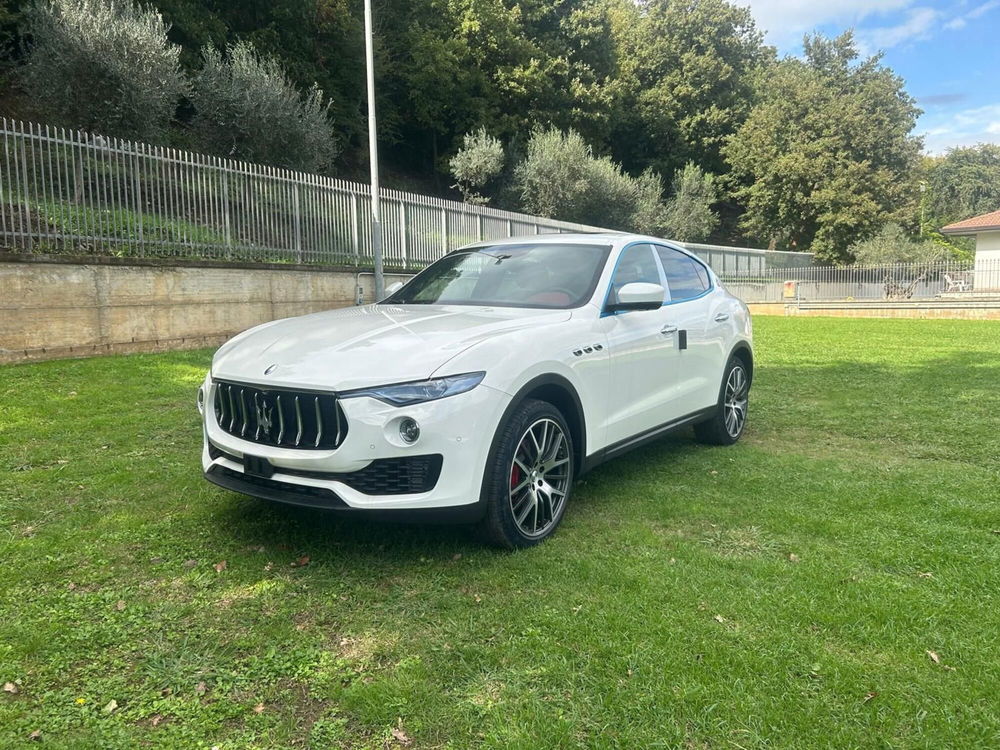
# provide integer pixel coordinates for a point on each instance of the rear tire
(729, 418)
(528, 478)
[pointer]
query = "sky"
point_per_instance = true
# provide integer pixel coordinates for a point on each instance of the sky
(948, 52)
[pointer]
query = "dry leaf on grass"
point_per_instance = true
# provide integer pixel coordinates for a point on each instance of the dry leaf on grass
(155, 721)
(220, 566)
(301, 562)
(201, 688)
(401, 737)
(934, 657)
(111, 706)
(925, 575)
(259, 708)
(36, 735)
(719, 618)
(870, 696)
(120, 605)
(792, 557)
(12, 688)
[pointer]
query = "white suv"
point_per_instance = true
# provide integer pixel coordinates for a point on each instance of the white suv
(483, 387)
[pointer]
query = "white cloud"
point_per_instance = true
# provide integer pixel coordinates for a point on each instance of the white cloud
(785, 21)
(919, 24)
(966, 127)
(960, 22)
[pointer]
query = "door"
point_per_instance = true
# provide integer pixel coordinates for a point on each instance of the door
(642, 349)
(689, 304)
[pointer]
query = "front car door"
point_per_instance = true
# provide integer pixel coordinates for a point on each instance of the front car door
(642, 352)
(691, 302)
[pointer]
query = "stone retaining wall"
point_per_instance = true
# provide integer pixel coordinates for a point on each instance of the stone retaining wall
(57, 307)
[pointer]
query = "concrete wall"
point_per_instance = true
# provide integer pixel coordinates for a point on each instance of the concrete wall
(987, 274)
(59, 308)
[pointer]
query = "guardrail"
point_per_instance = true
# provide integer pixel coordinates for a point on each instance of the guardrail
(73, 192)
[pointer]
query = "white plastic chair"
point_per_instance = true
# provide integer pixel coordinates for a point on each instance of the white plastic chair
(955, 285)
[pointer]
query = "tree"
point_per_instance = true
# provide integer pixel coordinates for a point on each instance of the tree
(102, 65)
(478, 162)
(964, 182)
(826, 156)
(893, 245)
(560, 177)
(687, 81)
(688, 215)
(246, 108)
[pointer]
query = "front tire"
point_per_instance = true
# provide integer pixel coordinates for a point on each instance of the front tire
(529, 476)
(729, 419)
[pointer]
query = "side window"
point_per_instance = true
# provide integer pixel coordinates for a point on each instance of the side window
(636, 263)
(686, 278)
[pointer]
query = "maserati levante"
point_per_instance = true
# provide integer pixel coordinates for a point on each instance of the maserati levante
(483, 387)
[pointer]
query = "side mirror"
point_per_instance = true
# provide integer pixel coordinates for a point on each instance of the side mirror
(638, 295)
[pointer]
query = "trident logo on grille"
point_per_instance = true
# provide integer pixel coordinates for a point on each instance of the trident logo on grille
(265, 411)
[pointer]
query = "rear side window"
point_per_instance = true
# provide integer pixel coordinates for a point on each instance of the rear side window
(686, 277)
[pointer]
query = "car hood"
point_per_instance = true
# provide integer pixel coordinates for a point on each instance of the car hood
(358, 347)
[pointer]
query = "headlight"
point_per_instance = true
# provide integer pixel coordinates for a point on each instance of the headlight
(404, 394)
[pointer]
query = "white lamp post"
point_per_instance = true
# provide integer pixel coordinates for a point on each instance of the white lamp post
(373, 157)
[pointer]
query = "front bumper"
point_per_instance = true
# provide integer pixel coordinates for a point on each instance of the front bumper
(456, 431)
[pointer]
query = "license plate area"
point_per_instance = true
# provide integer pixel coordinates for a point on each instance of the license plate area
(257, 466)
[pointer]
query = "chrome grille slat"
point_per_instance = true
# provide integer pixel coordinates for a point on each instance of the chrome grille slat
(266, 416)
(232, 408)
(281, 421)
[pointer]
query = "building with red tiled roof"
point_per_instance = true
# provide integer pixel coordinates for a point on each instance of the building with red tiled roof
(986, 230)
(985, 223)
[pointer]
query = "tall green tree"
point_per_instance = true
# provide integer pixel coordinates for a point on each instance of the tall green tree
(826, 157)
(686, 83)
(963, 183)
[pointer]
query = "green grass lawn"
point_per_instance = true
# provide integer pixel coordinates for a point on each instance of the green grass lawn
(833, 580)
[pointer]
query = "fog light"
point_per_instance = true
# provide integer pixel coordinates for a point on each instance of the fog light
(201, 400)
(409, 430)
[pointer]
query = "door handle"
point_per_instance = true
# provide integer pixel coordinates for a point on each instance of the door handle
(667, 330)
(722, 317)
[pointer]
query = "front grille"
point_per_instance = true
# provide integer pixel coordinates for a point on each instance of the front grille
(282, 418)
(407, 475)
(386, 476)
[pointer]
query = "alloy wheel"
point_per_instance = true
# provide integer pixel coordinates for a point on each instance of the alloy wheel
(540, 474)
(737, 391)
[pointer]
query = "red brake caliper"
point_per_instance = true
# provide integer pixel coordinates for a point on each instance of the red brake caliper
(515, 476)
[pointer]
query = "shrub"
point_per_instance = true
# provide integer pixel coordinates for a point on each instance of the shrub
(476, 164)
(560, 177)
(688, 215)
(247, 108)
(102, 65)
(893, 245)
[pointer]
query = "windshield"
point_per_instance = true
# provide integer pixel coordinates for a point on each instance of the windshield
(542, 274)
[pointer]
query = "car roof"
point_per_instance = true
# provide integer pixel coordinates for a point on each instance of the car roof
(567, 237)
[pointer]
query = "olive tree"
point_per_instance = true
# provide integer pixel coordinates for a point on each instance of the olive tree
(247, 108)
(102, 65)
(477, 163)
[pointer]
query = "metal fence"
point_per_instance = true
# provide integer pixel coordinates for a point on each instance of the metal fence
(958, 279)
(64, 191)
